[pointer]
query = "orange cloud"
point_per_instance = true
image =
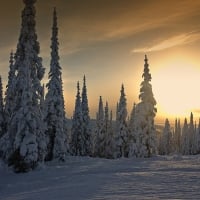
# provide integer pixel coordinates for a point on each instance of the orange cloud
(170, 42)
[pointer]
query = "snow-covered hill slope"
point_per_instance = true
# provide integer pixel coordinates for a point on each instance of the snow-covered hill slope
(171, 177)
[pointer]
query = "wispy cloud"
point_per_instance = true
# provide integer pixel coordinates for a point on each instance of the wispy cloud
(170, 42)
(84, 24)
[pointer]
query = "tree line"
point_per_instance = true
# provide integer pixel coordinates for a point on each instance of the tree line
(183, 140)
(33, 125)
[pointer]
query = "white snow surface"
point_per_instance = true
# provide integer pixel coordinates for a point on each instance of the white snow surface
(80, 178)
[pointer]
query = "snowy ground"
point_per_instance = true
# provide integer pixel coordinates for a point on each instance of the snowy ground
(169, 177)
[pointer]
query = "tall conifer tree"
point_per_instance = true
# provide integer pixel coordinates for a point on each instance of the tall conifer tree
(198, 137)
(185, 146)
(121, 126)
(177, 136)
(109, 136)
(86, 121)
(2, 121)
(146, 111)
(192, 142)
(77, 144)
(26, 129)
(5, 143)
(132, 118)
(55, 110)
(133, 135)
(10, 90)
(166, 139)
(100, 131)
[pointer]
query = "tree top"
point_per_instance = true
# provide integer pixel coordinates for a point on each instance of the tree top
(146, 75)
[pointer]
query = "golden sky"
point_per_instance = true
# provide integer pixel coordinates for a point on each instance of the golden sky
(107, 39)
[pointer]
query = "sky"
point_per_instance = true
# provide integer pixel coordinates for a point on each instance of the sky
(107, 39)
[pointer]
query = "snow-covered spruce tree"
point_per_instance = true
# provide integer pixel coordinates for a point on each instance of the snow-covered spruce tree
(109, 135)
(192, 142)
(177, 136)
(100, 142)
(132, 118)
(5, 143)
(132, 129)
(196, 135)
(2, 121)
(42, 100)
(122, 132)
(25, 128)
(185, 149)
(166, 139)
(106, 127)
(77, 138)
(198, 138)
(117, 108)
(10, 91)
(86, 121)
(54, 103)
(146, 140)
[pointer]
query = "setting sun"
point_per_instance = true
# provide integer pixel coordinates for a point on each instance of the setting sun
(175, 87)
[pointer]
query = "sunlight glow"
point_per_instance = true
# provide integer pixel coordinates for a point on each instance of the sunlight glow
(176, 87)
